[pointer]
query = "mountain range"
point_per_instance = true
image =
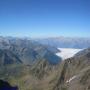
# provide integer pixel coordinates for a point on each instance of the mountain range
(30, 65)
(27, 51)
(65, 42)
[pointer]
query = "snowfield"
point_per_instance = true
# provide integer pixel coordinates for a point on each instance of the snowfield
(67, 52)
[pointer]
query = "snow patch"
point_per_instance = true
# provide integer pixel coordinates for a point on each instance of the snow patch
(67, 52)
(68, 81)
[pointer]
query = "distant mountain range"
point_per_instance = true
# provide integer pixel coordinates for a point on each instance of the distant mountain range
(65, 42)
(30, 65)
(25, 51)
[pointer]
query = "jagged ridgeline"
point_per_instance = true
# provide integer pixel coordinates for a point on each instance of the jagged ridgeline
(31, 66)
(25, 51)
(74, 72)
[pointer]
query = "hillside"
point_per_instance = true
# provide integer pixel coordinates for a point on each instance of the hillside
(47, 72)
(28, 51)
(7, 57)
(75, 73)
(71, 74)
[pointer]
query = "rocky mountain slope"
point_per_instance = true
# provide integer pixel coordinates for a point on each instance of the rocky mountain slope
(71, 74)
(46, 73)
(7, 57)
(75, 73)
(28, 51)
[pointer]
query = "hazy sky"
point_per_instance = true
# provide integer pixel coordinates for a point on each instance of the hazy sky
(41, 18)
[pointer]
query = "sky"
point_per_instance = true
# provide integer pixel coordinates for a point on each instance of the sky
(45, 18)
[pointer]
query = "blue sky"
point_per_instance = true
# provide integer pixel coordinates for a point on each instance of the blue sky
(45, 18)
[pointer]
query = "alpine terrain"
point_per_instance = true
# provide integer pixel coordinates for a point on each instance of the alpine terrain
(27, 64)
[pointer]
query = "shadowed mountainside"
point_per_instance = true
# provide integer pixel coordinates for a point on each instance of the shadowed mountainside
(6, 86)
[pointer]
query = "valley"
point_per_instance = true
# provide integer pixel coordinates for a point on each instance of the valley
(44, 44)
(30, 65)
(66, 53)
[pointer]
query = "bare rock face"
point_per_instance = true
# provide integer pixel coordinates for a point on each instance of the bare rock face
(46, 73)
(75, 72)
(25, 51)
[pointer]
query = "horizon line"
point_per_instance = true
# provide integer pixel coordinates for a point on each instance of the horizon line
(40, 37)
